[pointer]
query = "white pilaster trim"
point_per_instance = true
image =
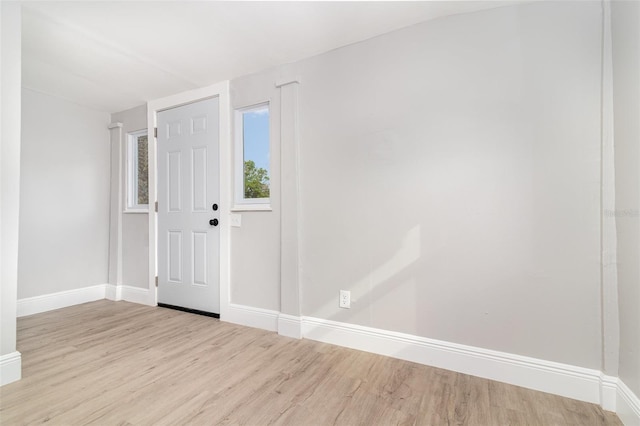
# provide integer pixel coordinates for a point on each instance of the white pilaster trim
(290, 291)
(115, 213)
(286, 81)
(608, 237)
(10, 368)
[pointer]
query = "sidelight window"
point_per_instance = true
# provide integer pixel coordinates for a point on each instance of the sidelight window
(253, 157)
(137, 171)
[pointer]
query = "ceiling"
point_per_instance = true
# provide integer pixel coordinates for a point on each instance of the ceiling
(114, 55)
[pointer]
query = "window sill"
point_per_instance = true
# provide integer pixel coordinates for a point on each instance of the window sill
(251, 208)
(146, 211)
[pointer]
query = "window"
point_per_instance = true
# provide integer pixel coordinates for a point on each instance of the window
(137, 171)
(252, 158)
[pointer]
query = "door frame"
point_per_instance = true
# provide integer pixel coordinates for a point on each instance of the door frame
(221, 91)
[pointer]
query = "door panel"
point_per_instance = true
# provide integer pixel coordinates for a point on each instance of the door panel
(174, 161)
(199, 255)
(199, 179)
(175, 257)
(188, 186)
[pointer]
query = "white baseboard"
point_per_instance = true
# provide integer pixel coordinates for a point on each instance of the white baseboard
(49, 302)
(290, 326)
(129, 294)
(608, 392)
(265, 319)
(63, 299)
(113, 292)
(627, 405)
(10, 368)
(137, 295)
(579, 383)
(546, 376)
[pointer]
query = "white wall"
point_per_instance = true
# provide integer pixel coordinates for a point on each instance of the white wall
(450, 179)
(626, 83)
(135, 250)
(135, 226)
(457, 195)
(64, 201)
(10, 22)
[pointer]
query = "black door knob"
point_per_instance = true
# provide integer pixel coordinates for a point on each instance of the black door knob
(214, 207)
(213, 222)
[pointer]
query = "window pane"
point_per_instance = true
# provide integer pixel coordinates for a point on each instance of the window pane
(143, 170)
(255, 130)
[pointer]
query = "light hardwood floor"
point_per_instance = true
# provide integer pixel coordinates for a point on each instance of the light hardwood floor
(117, 363)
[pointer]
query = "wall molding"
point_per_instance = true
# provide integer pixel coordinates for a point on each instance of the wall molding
(113, 292)
(290, 326)
(285, 81)
(49, 302)
(290, 207)
(129, 294)
(608, 392)
(570, 381)
(546, 376)
(608, 236)
(627, 405)
(116, 206)
(265, 319)
(63, 299)
(138, 295)
(10, 368)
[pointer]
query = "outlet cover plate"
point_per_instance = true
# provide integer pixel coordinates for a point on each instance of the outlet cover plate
(236, 220)
(345, 299)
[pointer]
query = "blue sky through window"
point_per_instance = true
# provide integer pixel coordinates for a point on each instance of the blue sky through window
(256, 137)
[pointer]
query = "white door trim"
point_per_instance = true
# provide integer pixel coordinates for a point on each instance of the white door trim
(220, 90)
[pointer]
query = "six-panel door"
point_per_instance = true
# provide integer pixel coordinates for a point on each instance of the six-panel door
(188, 187)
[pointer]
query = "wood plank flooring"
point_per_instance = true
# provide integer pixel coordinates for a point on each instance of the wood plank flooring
(117, 363)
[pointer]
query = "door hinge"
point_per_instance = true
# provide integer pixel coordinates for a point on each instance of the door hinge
(155, 132)
(156, 281)
(156, 207)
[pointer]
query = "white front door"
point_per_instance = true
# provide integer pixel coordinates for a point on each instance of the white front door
(188, 214)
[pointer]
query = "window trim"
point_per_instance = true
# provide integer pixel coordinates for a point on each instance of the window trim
(131, 205)
(241, 203)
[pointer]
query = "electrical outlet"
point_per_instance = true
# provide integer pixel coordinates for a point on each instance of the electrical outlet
(236, 219)
(345, 299)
